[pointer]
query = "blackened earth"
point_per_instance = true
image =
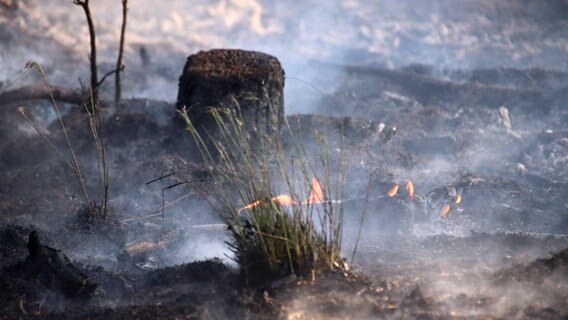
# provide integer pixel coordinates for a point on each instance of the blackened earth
(495, 136)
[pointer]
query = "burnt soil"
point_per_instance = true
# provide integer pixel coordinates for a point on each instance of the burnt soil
(500, 253)
(497, 137)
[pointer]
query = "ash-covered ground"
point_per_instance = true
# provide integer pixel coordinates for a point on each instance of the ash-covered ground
(477, 93)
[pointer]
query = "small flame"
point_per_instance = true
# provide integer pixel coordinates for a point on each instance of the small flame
(458, 199)
(316, 194)
(392, 192)
(410, 189)
(445, 210)
(250, 205)
(283, 200)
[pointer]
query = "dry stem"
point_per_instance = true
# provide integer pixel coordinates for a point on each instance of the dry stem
(74, 162)
(93, 57)
(119, 66)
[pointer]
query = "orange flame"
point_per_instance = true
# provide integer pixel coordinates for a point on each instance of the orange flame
(458, 199)
(392, 192)
(445, 210)
(316, 194)
(283, 200)
(410, 189)
(250, 205)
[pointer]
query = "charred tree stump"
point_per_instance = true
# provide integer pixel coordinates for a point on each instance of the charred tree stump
(54, 270)
(248, 82)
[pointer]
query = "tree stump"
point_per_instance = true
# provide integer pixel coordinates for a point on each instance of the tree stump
(248, 82)
(53, 269)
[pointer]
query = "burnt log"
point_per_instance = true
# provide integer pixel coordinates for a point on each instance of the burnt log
(40, 92)
(248, 82)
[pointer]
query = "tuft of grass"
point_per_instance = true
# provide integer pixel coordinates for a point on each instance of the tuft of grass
(97, 209)
(270, 238)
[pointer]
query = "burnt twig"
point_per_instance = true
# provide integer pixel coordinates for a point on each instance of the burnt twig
(167, 188)
(157, 213)
(162, 176)
(115, 71)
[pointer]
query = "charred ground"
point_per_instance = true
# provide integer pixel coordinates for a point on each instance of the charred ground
(511, 218)
(495, 136)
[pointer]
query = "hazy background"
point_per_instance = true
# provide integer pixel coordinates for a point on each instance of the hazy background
(446, 35)
(443, 33)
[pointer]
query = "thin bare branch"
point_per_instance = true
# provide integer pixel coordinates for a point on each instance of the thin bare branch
(106, 75)
(119, 65)
(93, 57)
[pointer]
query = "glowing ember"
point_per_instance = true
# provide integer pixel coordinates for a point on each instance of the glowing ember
(445, 210)
(316, 194)
(410, 189)
(458, 199)
(392, 192)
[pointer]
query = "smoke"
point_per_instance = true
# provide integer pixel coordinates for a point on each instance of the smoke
(360, 33)
(380, 33)
(203, 247)
(443, 39)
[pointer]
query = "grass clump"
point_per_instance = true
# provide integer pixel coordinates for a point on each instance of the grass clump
(95, 210)
(276, 205)
(272, 241)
